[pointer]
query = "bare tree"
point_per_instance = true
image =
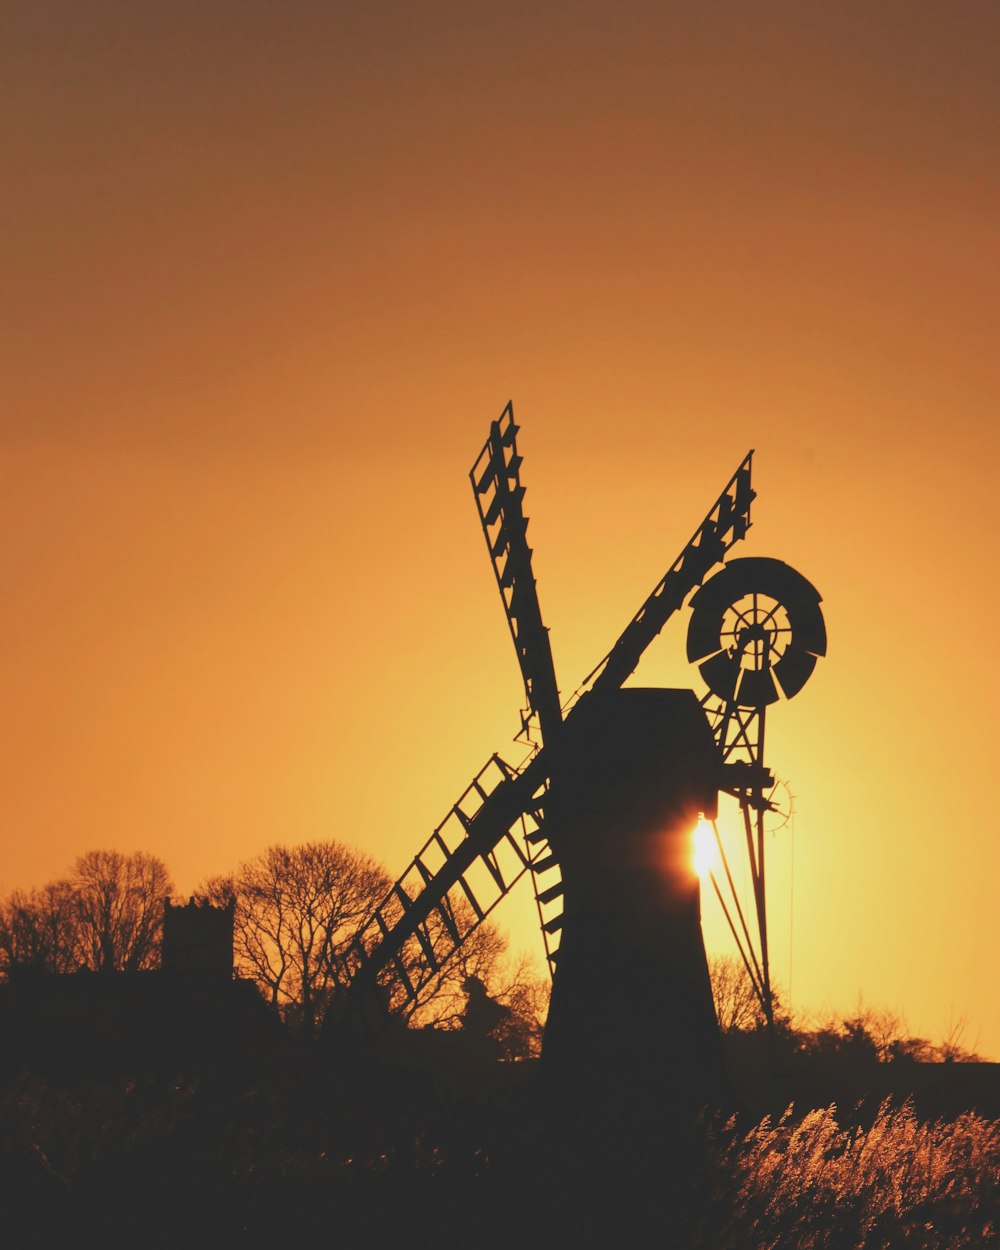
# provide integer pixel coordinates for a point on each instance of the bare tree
(296, 910)
(441, 1002)
(482, 965)
(118, 902)
(736, 1003)
(518, 986)
(951, 1048)
(39, 931)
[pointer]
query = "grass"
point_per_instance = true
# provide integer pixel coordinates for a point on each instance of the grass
(293, 1158)
(813, 1183)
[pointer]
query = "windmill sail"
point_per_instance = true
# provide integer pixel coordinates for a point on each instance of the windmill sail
(726, 523)
(490, 837)
(496, 482)
(454, 882)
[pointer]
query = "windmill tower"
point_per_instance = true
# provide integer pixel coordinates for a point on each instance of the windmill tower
(602, 812)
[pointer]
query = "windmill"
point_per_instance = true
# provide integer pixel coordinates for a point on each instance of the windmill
(601, 811)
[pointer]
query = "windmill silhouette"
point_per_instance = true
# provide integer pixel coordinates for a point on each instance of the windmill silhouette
(602, 811)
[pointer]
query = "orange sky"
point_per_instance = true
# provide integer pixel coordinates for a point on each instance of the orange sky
(269, 272)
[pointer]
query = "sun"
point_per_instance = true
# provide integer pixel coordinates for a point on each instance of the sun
(706, 854)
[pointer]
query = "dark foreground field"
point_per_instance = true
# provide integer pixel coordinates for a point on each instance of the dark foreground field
(296, 1151)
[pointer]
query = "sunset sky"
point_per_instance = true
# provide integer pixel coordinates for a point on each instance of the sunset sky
(271, 270)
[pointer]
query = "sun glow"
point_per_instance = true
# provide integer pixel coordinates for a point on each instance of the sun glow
(706, 853)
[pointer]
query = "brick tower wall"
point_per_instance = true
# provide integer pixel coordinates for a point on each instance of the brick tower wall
(198, 939)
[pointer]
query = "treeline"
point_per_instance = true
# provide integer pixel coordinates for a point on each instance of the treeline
(297, 909)
(866, 1034)
(106, 916)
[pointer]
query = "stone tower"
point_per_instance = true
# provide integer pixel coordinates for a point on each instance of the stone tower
(198, 939)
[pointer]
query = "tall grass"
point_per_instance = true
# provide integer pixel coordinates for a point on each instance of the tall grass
(331, 1164)
(815, 1184)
